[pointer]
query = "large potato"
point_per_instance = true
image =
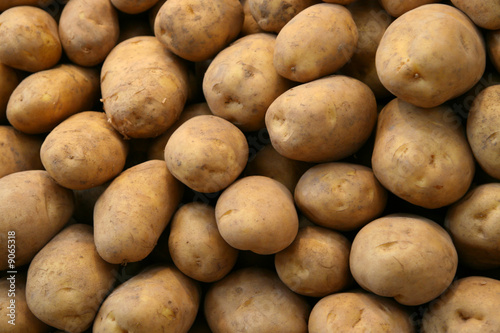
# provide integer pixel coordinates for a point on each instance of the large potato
(430, 55)
(398, 7)
(484, 13)
(18, 151)
(8, 82)
(68, 280)
(34, 208)
(44, 99)
(422, 155)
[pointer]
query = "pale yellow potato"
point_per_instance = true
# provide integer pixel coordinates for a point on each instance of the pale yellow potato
(484, 13)
(68, 280)
(133, 6)
(30, 40)
(8, 82)
(18, 151)
(399, 7)
(493, 47)
(250, 25)
(430, 55)
(422, 155)
(46, 98)
(159, 297)
(407, 257)
(133, 211)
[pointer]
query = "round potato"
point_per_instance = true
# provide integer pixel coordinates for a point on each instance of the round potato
(30, 40)
(324, 120)
(18, 151)
(9, 80)
(397, 8)
(484, 13)
(133, 6)
(410, 61)
(407, 257)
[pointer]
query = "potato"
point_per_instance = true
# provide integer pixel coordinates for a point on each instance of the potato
(358, 311)
(121, 236)
(254, 300)
(324, 120)
(316, 264)
(8, 82)
(44, 99)
(407, 257)
(493, 47)
(340, 196)
(67, 280)
(18, 151)
(196, 246)
(422, 155)
(250, 25)
(469, 305)
(83, 151)
(34, 208)
(483, 132)
(88, 30)
(133, 6)
(484, 13)
(410, 57)
(144, 100)
(317, 42)
(30, 40)
(397, 8)
(196, 30)
(257, 213)
(160, 298)
(206, 153)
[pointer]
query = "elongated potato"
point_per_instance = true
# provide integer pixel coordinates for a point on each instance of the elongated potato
(9, 81)
(44, 99)
(18, 151)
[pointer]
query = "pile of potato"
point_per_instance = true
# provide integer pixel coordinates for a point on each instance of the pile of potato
(249, 166)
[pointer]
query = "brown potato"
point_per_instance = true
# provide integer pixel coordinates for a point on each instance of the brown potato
(397, 8)
(484, 13)
(18, 151)
(8, 82)
(133, 6)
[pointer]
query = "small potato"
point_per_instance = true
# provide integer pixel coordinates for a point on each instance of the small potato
(397, 8)
(44, 99)
(360, 312)
(257, 213)
(206, 153)
(469, 305)
(18, 151)
(8, 82)
(84, 151)
(340, 196)
(316, 264)
(317, 42)
(324, 120)
(407, 257)
(197, 30)
(196, 246)
(121, 236)
(158, 299)
(68, 280)
(493, 47)
(88, 30)
(30, 40)
(254, 300)
(484, 13)
(34, 208)
(133, 6)
(430, 55)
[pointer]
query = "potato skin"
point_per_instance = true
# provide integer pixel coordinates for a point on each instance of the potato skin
(133, 6)
(168, 299)
(30, 40)
(68, 280)
(44, 99)
(18, 151)
(121, 236)
(484, 13)
(88, 30)
(9, 80)
(397, 8)
(35, 208)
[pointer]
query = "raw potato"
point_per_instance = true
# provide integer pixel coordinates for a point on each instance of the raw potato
(422, 155)
(84, 151)
(316, 264)
(254, 300)
(397, 8)
(360, 312)
(257, 213)
(9, 81)
(340, 196)
(197, 30)
(133, 6)
(473, 225)
(158, 297)
(67, 280)
(317, 42)
(250, 25)
(88, 30)
(18, 151)
(206, 153)
(30, 40)
(144, 100)
(483, 130)
(493, 46)
(324, 120)
(407, 257)
(414, 60)
(196, 246)
(469, 305)
(44, 99)
(35, 208)
(241, 81)
(128, 218)
(484, 13)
